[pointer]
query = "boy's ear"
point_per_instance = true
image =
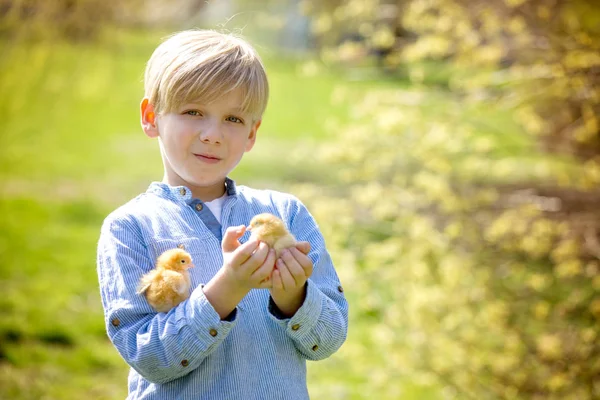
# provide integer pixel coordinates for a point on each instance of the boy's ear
(252, 135)
(148, 118)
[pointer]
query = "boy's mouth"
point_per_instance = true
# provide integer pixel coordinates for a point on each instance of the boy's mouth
(207, 158)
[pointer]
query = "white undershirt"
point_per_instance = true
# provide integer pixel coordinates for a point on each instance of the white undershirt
(215, 206)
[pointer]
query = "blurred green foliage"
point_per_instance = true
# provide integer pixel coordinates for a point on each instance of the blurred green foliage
(53, 19)
(481, 217)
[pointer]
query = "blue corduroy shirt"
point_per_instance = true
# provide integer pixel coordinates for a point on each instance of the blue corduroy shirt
(189, 352)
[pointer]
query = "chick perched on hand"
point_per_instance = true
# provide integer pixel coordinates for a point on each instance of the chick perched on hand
(270, 229)
(168, 284)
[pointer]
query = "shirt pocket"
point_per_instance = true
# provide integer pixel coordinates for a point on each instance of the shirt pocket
(203, 258)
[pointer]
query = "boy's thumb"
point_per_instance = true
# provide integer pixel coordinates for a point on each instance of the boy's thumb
(230, 239)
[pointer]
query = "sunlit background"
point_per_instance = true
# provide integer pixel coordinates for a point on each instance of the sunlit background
(449, 150)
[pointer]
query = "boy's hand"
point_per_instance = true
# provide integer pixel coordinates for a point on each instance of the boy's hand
(289, 277)
(247, 265)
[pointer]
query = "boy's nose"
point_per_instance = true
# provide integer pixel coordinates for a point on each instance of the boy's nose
(211, 133)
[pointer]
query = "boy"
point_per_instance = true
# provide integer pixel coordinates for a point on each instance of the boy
(247, 328)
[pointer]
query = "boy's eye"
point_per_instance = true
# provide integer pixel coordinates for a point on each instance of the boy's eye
(193, 113)
(234, 119)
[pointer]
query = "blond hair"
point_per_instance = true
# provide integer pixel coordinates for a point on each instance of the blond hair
(202, 65)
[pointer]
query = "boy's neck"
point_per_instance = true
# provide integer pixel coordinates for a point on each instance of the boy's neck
(204, 193)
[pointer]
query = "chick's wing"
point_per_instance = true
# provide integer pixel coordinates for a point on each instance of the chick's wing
(146, 281)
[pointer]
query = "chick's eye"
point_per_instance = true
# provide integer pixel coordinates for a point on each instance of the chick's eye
(183, 261)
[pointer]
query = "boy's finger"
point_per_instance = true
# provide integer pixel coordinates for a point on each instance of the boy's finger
(266, 283)
(230, 239)
(296, 270)
(244, 252)
(276, 278)
(287, 280)
(304, 261)
(256, 259)
(265, 270)
(304, 247)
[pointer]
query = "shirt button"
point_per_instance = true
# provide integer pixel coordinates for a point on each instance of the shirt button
(340, 289)
(185, 363)
(295, 327)
(199, 207)
(213, 332)
(181, 246)
(182, 191)
(116, 322)
(315, 347)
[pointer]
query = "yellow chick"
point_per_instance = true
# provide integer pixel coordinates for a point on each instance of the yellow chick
(270, 229)
(168, 284)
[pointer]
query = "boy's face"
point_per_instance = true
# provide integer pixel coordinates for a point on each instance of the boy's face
(202, 143)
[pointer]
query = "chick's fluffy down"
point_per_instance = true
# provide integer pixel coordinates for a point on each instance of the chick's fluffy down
(270, 229)
(169, 283)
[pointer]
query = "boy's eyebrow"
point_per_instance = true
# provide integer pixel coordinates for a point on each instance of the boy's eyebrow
(237, 109)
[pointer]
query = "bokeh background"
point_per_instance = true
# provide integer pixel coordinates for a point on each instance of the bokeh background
(449, 150)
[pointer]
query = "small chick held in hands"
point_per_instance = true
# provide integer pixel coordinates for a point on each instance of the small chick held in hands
(168, 284)
(270, 229)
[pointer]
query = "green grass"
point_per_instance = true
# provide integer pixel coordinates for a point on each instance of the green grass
(71, 150)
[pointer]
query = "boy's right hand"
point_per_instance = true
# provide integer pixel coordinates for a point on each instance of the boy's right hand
(247, 265)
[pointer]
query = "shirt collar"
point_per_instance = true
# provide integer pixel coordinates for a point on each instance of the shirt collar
(183, 192)
(230, 188)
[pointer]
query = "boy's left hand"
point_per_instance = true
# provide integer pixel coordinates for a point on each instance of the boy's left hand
(292, 270)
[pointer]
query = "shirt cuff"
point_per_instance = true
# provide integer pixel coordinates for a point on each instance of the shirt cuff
(205, 321)
(305, 318)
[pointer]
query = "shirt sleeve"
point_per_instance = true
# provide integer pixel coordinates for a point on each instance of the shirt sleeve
(161, 347)
(320, 326)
